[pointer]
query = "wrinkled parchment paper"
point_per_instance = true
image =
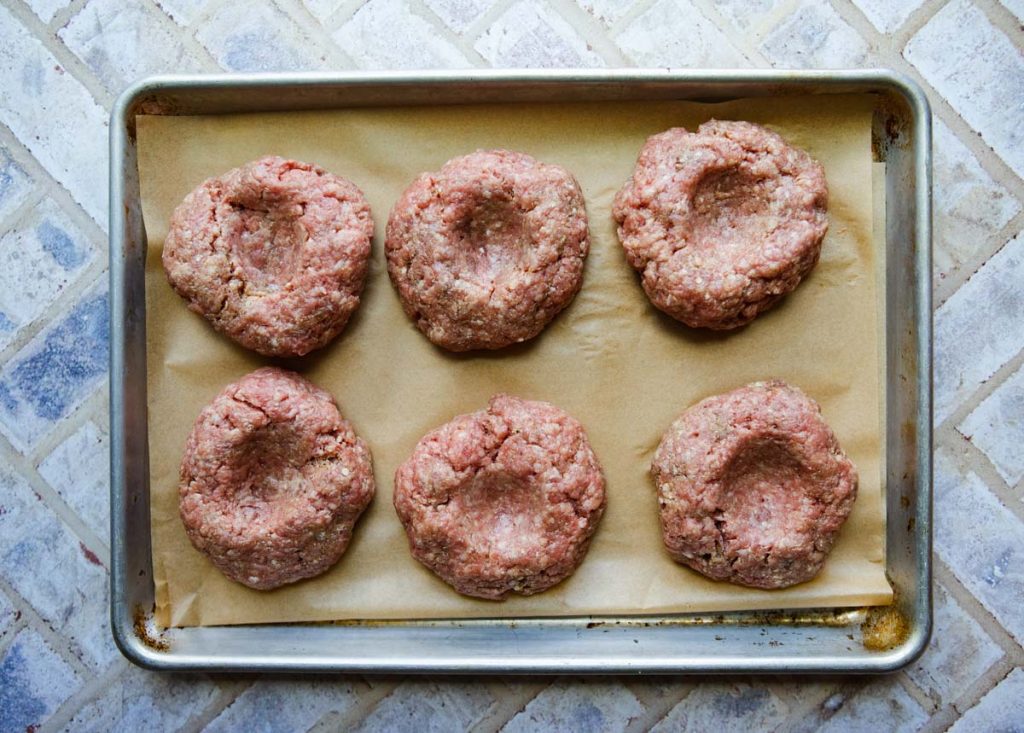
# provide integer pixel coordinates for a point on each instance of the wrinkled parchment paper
(610, 359)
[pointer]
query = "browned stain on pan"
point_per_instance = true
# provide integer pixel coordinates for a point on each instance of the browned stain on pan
(143, 630)
(884, 628)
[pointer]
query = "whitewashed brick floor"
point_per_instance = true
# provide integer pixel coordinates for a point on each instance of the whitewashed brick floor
(62, 63)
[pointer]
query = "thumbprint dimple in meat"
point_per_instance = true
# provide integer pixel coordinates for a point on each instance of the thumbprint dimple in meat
(273, 480)
(504, 500)
(273, 254)
(723, 222)
(753, 487)
(485, 252)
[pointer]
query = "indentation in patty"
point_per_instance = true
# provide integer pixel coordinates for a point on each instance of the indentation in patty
(503, 513)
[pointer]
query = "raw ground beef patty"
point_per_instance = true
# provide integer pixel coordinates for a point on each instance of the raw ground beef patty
(273, 254)
(753, 486)
(486, 251)
(273, 480)
(503, 500)
(723, 222)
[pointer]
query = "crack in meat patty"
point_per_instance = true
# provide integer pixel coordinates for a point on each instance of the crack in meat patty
(753, 487)
(273, 480)
(503, 500)
(486, 251)
(723, 222)
(274, 254)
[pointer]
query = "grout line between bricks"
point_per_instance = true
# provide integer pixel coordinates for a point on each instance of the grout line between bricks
(334, 56)
(1013, 654)
(485, 20)
(989, 160)
(48, 38)
(22, 211)
(774, 18)
(915, 22)
(51, 187)
(94, 407)
(87, 693)
(299, 10)
(230, 687)
(967, 406)
(80, 68)
(592, 31)
(747, 43)
(421, 10)
(15, 629)
(376, 691)
(32, 620)
(982, 686)
(976, 459)
(52, 500)
(620, 24)
(196, 50)
(892, 56)
(523, 691)
(1001, 17)
(65, 14)
(940, 721)
(55, 310)
(802, 708)
(1011, 648)
(946, 287)
(333, 719)
(916, 693)
(512, 695)
(657, 710)
(341, 14)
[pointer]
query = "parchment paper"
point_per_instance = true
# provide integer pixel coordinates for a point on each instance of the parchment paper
(610, 359)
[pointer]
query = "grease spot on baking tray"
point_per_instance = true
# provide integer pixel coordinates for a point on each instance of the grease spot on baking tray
(145, 630)
(884, 628)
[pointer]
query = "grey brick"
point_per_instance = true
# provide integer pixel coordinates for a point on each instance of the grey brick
(272, 706)
(969, 206)
(589, 706)
(996, 427)
(388, 35)
(1002, 708)
(123, 42)
(53, 115)
(960, 651)
(979, 71)
(39, 258)
(429, 707)
(981, 541)
(34, 681)
(139, 700)
(79, 470)
(655, 38)
(814, 36)
(725, 708)
(51, 569)
(978, 329)
(530, 34)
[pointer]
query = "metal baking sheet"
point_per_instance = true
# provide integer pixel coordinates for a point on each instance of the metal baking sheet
(860, 640)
